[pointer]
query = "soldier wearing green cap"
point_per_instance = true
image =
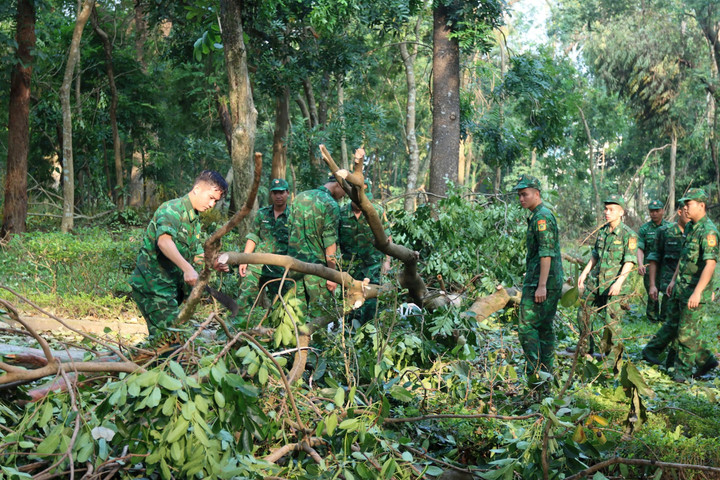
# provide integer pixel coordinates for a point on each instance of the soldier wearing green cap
(663, 262)
(313, 222)
(693, 275)
(604, 293)
(645, 246)
(542, 285)
(164, 272)
(356, 243)
(269, 235)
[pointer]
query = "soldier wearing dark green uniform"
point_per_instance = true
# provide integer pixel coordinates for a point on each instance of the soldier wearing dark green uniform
(693, 275)
(269, 235)
(542, 286)
(613, 258)
(663, 262)
(313, 222)
(646, 244)
(164, 273)
(362, 259)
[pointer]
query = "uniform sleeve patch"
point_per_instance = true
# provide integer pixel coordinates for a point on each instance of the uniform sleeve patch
(632, 244)
(542, 225)
(711, 240)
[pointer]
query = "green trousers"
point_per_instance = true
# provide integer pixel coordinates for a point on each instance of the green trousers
(692, 350)
(535, 330)
(667, 334)
(652, 312)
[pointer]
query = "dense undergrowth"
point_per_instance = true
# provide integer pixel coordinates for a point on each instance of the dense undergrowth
(412, 394)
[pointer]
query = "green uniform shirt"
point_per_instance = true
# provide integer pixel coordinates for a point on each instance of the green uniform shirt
(612, 250)
(355, 239)
(154, 272)
(666, 253)
(270, 235)
(701, 245)
(543, 240)
(313, 222)
(646, 236)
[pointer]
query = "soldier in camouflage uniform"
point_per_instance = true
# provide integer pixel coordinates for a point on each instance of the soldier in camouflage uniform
(542, 286)
(269, 235)
(613, 257)
(363, 260)
(313, 222)
(646, 244)
(663, 262)
(689, 287)
(163, 272)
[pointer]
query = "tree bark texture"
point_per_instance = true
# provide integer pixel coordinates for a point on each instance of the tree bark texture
(68, 174)
(15, 209)
(280, 135)
(445, 103)
(671, 178)
(140, 35)
(341, 113)
(118, 196)
(242, 107)
(410, 117)
(591, 159)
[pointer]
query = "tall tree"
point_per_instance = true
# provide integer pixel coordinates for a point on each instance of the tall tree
(15, 210)
(409, 56)
(68, 174)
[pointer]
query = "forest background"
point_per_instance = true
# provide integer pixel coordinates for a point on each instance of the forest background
(107, 121)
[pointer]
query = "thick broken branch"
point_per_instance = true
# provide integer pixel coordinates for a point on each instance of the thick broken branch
(640, 462)
(483, 307)
(409, 278)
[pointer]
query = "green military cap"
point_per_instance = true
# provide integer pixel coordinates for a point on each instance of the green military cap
(527, 181)
(615, 198)
(697, 194)
(278, 184)
(656, 205)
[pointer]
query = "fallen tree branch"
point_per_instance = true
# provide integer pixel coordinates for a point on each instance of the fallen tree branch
(640, 462)
(276, 455)
(441, 416)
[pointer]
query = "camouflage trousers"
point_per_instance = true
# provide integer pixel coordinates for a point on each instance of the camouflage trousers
(601, 311)
(315, 299)
(160, 308)
(652, 312)
(535, 330)
(667, 334)
(692, 352)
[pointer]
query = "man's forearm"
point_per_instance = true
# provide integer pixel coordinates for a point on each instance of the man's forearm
(705, 277)
(545, 263)
(330, 255)
(249, 246)
(627, 268)
(653, 271)
(169, 249)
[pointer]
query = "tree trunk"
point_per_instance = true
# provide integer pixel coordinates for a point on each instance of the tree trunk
(16, 200)
(242, 107)
(311, 105)
(410, 134)
(117, 151)
(445, 103)
(341, 114)
(68, 175)
(280, 136)
(140, 35)
(591, 159)
(671, 177)
(225, 120)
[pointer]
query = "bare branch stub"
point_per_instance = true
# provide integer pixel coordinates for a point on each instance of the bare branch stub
(409, 278)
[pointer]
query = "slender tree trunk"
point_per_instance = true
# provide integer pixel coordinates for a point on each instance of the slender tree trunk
(242, 107)
(117, 151)
(16, 200)
(280, 136)
(225, 120)
(671, 177)
(322, 114)
(140, 35)
(446, 104)
(501, 108)
(68, 175)
(410, 118)
(591, 161)
(311, 105)
(341, 113)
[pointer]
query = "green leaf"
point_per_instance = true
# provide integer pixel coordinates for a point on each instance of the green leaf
(219, 398)
(49, 445)
(570, 297)
(351, 424)
(263, 375)
(169, 382)
(339, 397)
(180, 428)
(177, 369)
(330, 423)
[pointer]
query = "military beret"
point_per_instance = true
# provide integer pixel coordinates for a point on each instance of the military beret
(656, 205)
(697, 194)
(527, 181)
(278, 184)
(615, 198)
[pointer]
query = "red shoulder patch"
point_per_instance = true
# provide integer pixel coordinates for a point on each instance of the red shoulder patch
(542, 225)
(632, 243)
(711, 240)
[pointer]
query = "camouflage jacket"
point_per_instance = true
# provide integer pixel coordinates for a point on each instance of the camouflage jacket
(313, 222)
(612, 250)
(701, 245)
(154, 272)
(646, 236)
(666, 253)
(355, 239)
(270, 235)
(543, 240)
